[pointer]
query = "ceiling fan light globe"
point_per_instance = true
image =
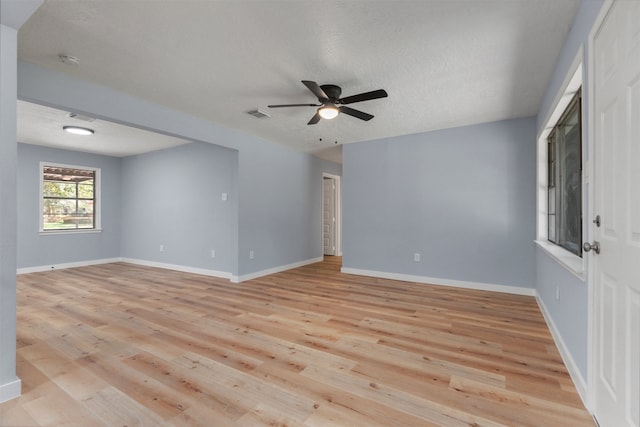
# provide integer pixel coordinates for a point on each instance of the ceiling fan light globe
(76, 130)
(328, 112)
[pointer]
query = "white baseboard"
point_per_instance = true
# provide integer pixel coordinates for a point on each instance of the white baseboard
(443, 282)
(10, 390)
(185, 269)
(574, 372)
(203, 271)
(255, 275)
(194, 270)
(50, 267)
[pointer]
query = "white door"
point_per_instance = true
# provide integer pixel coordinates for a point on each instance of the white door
(616, 269)
(329, 216)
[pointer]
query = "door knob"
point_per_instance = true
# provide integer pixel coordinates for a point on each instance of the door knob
(595, 246)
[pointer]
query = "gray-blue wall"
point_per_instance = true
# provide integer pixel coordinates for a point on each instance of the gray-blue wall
(36, 249)
(463, 198)
(280, 207)
(570, 314)
(9, 383)
(173, 197)
(279, 213)
(12, 16)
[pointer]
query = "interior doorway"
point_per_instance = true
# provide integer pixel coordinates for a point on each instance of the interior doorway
(331, 228)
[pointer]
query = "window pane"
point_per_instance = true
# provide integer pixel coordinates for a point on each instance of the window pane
(552, 229)
(59, 189)
(551, 152)
(564, 190)
(552, 216)
(85, 214)
(571, 215)
(85, 189)
(59, 213)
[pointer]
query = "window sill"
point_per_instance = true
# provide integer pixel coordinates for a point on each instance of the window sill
(73, 231)
(573, 263)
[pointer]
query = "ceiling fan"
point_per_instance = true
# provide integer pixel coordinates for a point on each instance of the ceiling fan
(331, 104)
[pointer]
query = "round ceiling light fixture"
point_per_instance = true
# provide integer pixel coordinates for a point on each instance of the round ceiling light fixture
(78, 130)
(328, 111)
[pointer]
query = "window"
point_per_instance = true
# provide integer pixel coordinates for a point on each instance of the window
(564, 191)
(69, 198)
(559, 198)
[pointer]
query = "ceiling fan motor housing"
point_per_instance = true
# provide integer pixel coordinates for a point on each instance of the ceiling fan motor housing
(332, 91)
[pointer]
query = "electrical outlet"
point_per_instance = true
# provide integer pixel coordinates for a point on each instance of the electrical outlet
(251, 254)
(416, 257)
(224, 197)
(161, 248)
(213, 253)
(557, 293)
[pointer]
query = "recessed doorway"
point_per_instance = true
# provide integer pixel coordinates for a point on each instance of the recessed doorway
(331, 229)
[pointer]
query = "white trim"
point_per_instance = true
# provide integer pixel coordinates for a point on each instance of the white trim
(571, 262)
(255, 275)
(442, 282)
(573, 81)
(185, 269)
(10, 390)
(97, 198)
(71, 231)
(591, 327)
(41, 268)
(574, 372)
(182, 268)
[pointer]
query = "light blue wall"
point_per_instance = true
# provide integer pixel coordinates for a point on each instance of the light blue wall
(12, 16)
(276, 217)
(570, 314)
(8, 212)
(39, 250)
(280, 207)
(463, 198)
(173, 197)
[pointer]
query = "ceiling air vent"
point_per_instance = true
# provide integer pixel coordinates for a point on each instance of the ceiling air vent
(258, 114)
(80, 117)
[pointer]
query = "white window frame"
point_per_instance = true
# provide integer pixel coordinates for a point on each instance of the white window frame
(97, 224)
(572, 83)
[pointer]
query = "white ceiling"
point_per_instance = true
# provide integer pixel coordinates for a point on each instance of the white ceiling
(444, 63)
(42, 125)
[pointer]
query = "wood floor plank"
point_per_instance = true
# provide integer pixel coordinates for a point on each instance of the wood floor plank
(114, 408)
(59, 409)
(249, 388)
(121, 344)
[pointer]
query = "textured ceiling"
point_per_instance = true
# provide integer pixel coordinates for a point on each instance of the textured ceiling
(444, 63)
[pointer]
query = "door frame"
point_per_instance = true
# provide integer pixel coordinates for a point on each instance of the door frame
(592, 347)
(338, 209)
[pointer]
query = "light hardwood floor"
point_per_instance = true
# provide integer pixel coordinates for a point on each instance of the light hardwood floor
(125, 345)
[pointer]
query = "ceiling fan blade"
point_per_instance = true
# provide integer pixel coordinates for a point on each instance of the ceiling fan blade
(315, 119)
(356, 113)
(366, 96)
(317, 90)
(293, 105)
